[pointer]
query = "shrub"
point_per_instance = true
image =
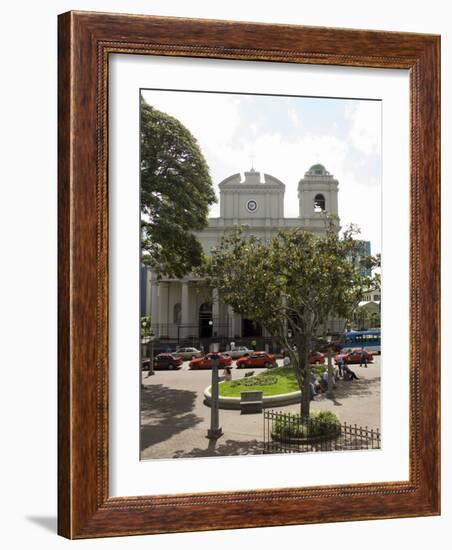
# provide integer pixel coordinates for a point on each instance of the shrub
(292, 425)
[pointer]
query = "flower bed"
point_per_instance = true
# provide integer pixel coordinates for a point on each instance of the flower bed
(274, 381)
(279, 387)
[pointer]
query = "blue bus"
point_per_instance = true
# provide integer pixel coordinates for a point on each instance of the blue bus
(370, 340)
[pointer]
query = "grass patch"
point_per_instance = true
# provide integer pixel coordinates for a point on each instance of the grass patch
(270, 382)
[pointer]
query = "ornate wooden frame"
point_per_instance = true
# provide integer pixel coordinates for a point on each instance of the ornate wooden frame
(85, 42)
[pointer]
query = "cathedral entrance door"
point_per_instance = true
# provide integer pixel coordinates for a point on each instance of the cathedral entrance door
(251, 328)
(205, 321)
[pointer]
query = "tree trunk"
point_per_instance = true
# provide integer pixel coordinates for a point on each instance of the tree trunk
(304, 349)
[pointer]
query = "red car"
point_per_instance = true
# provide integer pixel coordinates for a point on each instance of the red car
(206, 361)
(316, 358)
(257, 359)
(354, 356)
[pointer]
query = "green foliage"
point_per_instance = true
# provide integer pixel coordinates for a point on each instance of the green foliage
(145, 326)
(319, 423)
(295, 281)
(176, 191)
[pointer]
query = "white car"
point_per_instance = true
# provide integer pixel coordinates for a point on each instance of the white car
(188, 353)
(239, 351)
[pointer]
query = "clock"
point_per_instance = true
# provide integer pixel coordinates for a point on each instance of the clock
(251, 205)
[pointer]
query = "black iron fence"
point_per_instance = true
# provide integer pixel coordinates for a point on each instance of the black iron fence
(168, 336)
(289, 433)
(191, 331)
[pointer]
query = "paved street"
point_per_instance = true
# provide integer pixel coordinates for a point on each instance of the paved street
(175, 419)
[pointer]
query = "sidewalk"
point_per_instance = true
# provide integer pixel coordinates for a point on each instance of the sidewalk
(175, 419)
(356, 401)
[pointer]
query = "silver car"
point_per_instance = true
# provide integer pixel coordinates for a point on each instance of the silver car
(239, 351)
(188, 353)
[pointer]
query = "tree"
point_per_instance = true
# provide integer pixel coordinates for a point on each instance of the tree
(145, 326)
(176, 191)
(296, 282)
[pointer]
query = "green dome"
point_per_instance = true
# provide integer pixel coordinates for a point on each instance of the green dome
(316, 167)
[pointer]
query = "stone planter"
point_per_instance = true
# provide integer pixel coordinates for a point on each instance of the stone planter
(268, 401)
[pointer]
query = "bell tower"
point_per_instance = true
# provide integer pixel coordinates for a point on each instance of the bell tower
(317, 195)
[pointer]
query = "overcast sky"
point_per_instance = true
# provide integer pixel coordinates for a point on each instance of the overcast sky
(287, 135)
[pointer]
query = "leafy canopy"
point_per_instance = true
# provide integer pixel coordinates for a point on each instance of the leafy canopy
(296, 277)
(291, 284)
(176, 191)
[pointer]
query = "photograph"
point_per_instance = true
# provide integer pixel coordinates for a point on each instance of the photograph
(260, 274)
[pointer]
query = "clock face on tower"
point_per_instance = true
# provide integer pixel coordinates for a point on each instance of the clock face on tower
(251, 205)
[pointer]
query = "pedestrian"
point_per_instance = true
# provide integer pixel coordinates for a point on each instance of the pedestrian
(340, 360)
(324, 381)
(349, 374)
(227, 373)
(363, 358)
(253, 345)
(315, 385)
(312, 391)
(286, 361)
(335, 374)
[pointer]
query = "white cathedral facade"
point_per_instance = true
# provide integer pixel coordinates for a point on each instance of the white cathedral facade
(184, 310)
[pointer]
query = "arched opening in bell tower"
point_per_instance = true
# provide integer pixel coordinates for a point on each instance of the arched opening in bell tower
(319, 203)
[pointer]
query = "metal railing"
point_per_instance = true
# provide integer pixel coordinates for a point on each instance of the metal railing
(289, 433)
(190, 331)
(171, 335)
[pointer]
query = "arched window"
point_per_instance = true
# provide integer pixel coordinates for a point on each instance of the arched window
(319, 203)
(177, 312)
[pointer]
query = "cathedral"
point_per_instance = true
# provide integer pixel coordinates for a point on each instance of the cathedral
(184, 311)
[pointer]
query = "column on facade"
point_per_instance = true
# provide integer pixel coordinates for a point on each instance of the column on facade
(215, 311)
(236, 325)
(231, 316)
(154, 309)
(163, 297)
(148, 292)
(185, 310)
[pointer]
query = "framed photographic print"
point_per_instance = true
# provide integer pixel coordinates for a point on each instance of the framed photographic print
(248, 275)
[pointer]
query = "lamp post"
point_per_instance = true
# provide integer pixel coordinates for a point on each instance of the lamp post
(329, 392)
(214, 432)
(147, 337)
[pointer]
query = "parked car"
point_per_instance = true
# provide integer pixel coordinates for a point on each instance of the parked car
(167, 361)
(145, 362)
(240, 351)
(188, 353)
(353, 356)
(206, 361)
(316, 358)
(257, 359)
